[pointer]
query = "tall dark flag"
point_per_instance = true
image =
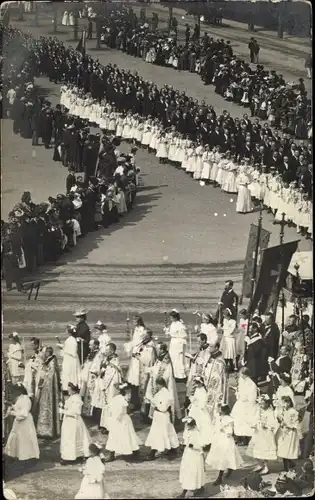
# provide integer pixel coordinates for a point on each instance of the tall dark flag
(81, 47)
(250, 256)
(274, 265)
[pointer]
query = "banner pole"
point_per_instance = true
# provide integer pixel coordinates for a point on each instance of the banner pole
(255, 266)
(282, 294)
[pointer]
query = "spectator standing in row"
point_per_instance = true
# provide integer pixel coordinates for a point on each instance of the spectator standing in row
(254, 49)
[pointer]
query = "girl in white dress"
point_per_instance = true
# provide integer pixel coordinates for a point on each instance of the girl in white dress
(146, 136)
(245, 408)
(284, 389)
(208, 328)
(70, 363)
(122, 437)
(71, 18)
(192, 467)
(198, 410)
(65, 19)
(93, 482)
(119, 125)
(162, 147)
(263, 443)
(243, 202)
(22, 441)
(162, 436)
(15, 359)
(229, 185)
(255, 186)
(228, 345)
(188, 153)
(224, 454)
(199, 162)
(207, 164)
(216, 157)
(221, 173)
(75, 439)
(154, 137)
(289, 435)
(178, 333)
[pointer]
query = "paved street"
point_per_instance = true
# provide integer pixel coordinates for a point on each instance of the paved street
(170, 251)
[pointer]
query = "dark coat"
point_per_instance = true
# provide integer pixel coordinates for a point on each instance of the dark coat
(256, 357)
(271, 336)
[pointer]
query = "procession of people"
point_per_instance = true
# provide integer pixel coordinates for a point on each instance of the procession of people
(219, 413)
(232, 383)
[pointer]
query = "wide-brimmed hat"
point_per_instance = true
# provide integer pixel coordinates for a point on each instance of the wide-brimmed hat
(80, 312)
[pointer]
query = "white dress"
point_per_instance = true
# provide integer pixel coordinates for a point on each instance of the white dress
(230, 184)
(224, 453)
(206, 169)
(75, 438)
(71, 19)
(245, 408)
(211, 332)
(198, 410)
(93, 482)
(70, 364)
(243, 202)
(263, 443)
(22, 441)
(177, 332)
(289, 435)
(122, 438)
(15, 357)
(65, 19)
(228, 345)
(133, 374)
(161, 148)
(162, 435)
(110, 378)
(192, 467)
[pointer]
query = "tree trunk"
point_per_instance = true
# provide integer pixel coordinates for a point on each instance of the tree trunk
(170, 17)
(21, 12)
(55, 7)
(36, 14)
(280, 24)
(75, 27)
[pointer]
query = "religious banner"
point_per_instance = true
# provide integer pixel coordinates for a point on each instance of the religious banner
(250, 256)
(273, 271)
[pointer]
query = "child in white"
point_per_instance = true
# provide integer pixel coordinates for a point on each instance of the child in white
(245, 408)
(75, 439)
(162, 435)
(224, 454)
(22, 441)
(263, 443)
(198, 410)
(93, 483)
(192, 467)
(288, 436)
(122, 437)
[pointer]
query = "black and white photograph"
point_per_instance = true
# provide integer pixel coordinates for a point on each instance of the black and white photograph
(157, 249)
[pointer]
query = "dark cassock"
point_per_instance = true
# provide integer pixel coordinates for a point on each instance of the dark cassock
(89, 158)
(48, 395)
(83, 332)
(70, 181)
(256, 357)
(47, 127)
(271, 337)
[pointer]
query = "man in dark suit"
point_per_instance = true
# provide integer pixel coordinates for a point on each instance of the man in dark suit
(83, 333)
(70, 180)
(229, 300)
(271, 335)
